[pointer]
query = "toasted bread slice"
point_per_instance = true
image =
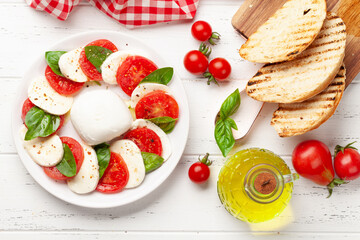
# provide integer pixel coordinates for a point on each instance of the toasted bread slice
(293, 119)
(308, 74)
(287, 33)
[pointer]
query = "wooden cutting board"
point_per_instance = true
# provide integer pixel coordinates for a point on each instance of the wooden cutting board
(253, 13)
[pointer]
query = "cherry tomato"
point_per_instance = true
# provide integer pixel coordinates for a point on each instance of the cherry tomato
(220, 68)
(132, 71)
(199, 172)
(196, 62)
(146, 139)
(347, 162)
(312, 160)
(78, 153)
(86, 66)
(115, 176)
(27, 105)
(201, 30)
(61, 84)
(157, 104)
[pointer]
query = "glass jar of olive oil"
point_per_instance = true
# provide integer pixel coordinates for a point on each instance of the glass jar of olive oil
(255, 185)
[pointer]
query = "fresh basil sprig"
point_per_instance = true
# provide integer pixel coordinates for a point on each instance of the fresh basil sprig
(40, 123)
(224, 124)
(152, 161)
(97, 55)
(161, 76)
(167, 124)
(52, 59)
(67, 166)
(103, 155)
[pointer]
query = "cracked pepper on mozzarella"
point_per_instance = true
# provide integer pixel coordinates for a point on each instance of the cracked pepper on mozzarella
(45, 97)
(70, 67)
(46, 152)
(111, 64)
(87, 178)
(100, 116)
(144, 88)
(133, 159)
(165, 142)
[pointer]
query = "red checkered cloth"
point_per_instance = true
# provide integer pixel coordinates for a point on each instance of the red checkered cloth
(131, 13)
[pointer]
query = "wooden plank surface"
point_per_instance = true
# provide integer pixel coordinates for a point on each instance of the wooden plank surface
(178, 209)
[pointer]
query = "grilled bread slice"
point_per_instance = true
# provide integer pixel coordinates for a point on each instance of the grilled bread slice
(308, 74)
(287, 33)
(297, 118)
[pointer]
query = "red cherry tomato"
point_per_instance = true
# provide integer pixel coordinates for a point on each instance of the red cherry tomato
(146, 139)
(157, 104)
(60, 84)
(220, 68)
(196, 62)
(132, 71)
(201, 31)
(115, 176)
(27, 105)
(312, 160)
(86, 66)
(347, 163)
(78, 153)
(199, 172)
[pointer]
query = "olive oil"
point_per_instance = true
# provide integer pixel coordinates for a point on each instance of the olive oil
(255, 185)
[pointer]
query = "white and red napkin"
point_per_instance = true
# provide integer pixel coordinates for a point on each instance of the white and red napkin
(131, 13)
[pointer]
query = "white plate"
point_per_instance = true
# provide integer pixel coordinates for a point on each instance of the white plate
(95, 199)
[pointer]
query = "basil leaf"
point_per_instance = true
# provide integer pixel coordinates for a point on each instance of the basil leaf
(52, 59)
(40, 123)
(161, 76)
(67, 166)
(97, 55)
(230, 105)
(152, 161)
(103, 155)
(167, 124)
(223, 135)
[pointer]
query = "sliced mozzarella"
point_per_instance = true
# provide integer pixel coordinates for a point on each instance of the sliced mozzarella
(133, 159)
(99, 116)
(111, 64)
(88, 177)
(46, 152)
(165, 141)
(70, 66)
(45, 97)
(142, 89)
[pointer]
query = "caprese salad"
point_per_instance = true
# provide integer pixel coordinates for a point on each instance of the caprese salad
(121, 141)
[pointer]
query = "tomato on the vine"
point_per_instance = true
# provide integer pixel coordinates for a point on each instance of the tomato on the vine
(199, 172)
(347, 162)
(196, 61)
(202, 31)
(219, 70)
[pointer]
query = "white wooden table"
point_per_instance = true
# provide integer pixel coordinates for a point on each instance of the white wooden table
(178, 209)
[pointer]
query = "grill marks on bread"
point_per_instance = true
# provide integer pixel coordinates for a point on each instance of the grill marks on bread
(287, 33)
(306, 75)
(297, 118)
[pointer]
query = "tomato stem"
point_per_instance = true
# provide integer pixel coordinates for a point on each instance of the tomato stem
(339, 148)
(210, 78)
(205, 160)
(204, 49)
(335, 183)
(214, 36)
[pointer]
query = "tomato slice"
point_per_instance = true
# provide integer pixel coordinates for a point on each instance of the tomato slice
(78, 152)
(132, 71)
(86, 66)
(61, 84)
(157, 104)
(27, 105)
(146, 139)
(115, 176)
